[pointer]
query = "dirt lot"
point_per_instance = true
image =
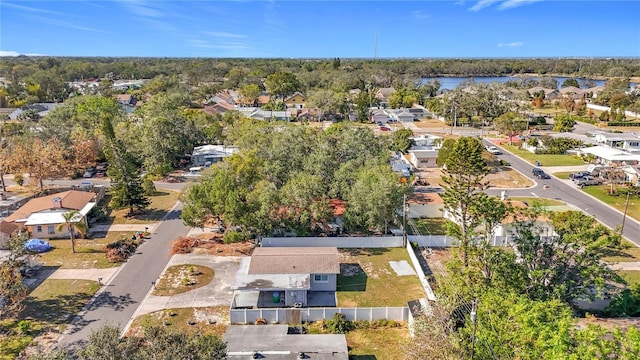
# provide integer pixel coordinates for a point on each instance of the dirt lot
(499, 177)
(212, 244)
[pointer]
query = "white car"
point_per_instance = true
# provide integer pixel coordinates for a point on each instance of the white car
(494, 150)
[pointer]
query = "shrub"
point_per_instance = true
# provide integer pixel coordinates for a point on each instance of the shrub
(339, 324)
(18, 179)
(235, 236)
(148, 186)
(24, 326)
(184, 245)
(121, 250)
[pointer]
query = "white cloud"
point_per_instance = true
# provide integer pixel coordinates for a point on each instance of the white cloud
(481, 4)
(512, 44)
(32, 9)
(509, 4)
(141, 8)
(66, 24)
(15, 53)
(419, 14)
(224, 35)
(504, 4)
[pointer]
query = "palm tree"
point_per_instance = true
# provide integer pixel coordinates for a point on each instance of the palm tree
(72, 226)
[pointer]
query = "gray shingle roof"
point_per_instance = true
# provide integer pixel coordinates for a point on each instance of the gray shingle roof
(295, 260)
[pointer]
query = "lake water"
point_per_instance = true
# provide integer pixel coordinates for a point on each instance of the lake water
(451, 83)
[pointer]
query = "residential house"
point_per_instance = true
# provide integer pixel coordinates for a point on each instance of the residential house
(263, 100)
(275, 342)
(425, 151)
(41, 108)
(223, 97)
(287, 277)
(400, 164)
(7, 229)
(606, 155)
(126, 100)
(593, 92)
(574, 92)
(380, 115)
(296, 100)
(425, 205)
(629, 142)
(218, 108)
(206, 155)
(401, 115)
(41, 216)
(383, 95)
(549, 94)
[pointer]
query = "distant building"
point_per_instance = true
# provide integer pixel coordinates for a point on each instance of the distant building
(206, 155)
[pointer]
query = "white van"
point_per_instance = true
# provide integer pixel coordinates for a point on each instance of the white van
(195, 171)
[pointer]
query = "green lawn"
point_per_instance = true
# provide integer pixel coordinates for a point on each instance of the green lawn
(372, 281)
(377, 344)
(160, 205)
(428, 226)
(564, 175)
(545, 159)
(618, 202)
(54, 303)
(629, 253)
(535, 201)
(632, 277)
(90, 253)
(209, 320)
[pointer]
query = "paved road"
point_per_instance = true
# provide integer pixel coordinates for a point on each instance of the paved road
(122, 295)
(559, 190)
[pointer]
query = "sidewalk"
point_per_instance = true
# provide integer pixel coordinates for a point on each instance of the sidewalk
(85, 274)
(628, 266)
(123, 227)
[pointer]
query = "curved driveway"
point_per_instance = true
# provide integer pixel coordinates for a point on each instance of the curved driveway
(560, 190)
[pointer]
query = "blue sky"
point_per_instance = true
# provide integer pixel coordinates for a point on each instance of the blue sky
(321, 29)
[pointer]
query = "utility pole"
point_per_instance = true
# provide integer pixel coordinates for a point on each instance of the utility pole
(474, 319)
(404, 221)
(624, 216)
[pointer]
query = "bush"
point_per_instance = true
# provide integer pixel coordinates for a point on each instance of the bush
(339, 324)
(234, 237)
(19, 179)
(148, 186)
(184, 245)
(121, 250)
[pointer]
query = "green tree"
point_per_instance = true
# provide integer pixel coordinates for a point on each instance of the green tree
(73, 223)
(282, 84)
(402, 140)
(13, 291)
(463, 178)
(570, 82)
(563, 123)
(445, 151)
(364, 101)
(510, 123)
(126, 187)
(250, 93)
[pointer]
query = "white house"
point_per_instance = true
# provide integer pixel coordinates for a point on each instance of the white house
(206, 155)
(606, 155)
(626, 141)
(425, 151)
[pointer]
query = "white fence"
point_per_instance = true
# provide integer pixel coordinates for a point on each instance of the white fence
(423, 279)
(339, 242)
(449, 241)
(280, 315)
(606, 108)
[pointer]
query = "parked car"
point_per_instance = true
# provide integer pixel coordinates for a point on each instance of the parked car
(536, 171)
(384, 128)
(494, 150)
(89, 173)
(579, 175)
(588, 180)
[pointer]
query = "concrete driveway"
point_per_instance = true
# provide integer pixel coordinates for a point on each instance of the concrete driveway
(217, 293)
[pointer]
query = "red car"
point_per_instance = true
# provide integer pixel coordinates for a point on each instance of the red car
(384, 128)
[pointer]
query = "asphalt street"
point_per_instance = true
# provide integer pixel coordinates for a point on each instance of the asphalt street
(119, 299)
(559, 190)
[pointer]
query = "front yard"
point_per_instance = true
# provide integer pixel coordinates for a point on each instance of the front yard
(601, 192)
(545, 159)
(90, 253)
(367, 279)
(161, 203)
(208, 320)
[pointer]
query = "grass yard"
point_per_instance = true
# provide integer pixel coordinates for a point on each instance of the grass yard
(430, 124)
(618, 202)
(533, 201)
(632, 277)
(545, 159)
(564, 175)
(630, 253)
(428, 226)
(54, 303)
(209, 320)
(377, 344)
(160, 205)
(367, 279)
(506, 177)
(179, 279)
(90, 253)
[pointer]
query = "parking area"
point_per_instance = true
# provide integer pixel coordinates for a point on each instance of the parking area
(218, 292)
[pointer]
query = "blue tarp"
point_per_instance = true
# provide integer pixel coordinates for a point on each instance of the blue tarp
(37, 245)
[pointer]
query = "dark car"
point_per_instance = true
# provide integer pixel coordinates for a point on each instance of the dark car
(579, 175)
(537, 171)
(543, 175)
